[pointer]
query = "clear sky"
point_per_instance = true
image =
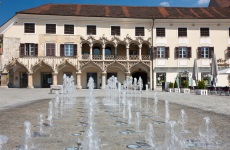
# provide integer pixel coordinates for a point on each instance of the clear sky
(8, 8)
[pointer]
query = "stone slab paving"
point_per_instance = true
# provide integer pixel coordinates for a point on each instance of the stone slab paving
(19, 105)
(216, 103)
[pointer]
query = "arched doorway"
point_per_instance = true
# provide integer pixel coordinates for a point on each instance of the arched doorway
(143, 76)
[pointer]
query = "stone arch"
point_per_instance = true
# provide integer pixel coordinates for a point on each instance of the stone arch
(117, 65)
(141, 65)
(64, 63)
(12, 65)
(91, 64)
(41, 64)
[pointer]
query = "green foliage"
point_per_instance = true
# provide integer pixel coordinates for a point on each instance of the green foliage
(175, 84)
(201, 85)
(184, 84)
(170, 85)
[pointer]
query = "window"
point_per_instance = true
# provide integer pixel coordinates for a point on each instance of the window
(50, 49)
(183, 52)
(133, 52)
(229, 32)
(204, 31)
(96, 51)
(28, 49)
(51, 28)
(182, 32)
(160, 52)
(108, 51)
(68, 29)
(91, 30)
(115, 30)
(160, 32)
(139, 31)
(68, 49)
(160, 77)
(29, 28)
(204, 52)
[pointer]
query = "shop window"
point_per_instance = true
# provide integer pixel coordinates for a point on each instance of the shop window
(160, 77)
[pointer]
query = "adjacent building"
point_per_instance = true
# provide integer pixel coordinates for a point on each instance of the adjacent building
(39, 45)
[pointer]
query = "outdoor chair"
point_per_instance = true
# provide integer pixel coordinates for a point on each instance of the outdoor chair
(211, 90)
(225, 91)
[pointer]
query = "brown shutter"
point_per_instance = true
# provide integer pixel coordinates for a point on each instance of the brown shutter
(35, 49)
(75, 49)
(155, 52)
(211, 52)
(52, 49)
(176, 52)
(22, 50)
(199, 52)
(189, 49)
(62, 50)
(167, 52)
(228, 50)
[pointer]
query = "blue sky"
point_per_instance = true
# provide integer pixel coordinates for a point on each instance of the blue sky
(8, 8)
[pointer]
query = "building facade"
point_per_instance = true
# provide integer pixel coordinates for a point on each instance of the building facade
(159, 44)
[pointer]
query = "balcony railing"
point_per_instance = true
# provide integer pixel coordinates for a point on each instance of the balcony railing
(145, 57)
(133, 57)
(85, 56)
(97, 57)
(109, 57)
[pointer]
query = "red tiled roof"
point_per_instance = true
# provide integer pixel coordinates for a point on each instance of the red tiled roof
(219, 3)
(130, 11)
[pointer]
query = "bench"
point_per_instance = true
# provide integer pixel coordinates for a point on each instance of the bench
(55, 87)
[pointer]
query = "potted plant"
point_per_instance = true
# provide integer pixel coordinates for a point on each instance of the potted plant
(201, 88)
(184, 87)
(170, 89)
(176, 89)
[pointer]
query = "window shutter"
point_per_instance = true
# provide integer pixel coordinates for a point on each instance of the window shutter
(211, 52)
(199, 52)
(75, 49)
(155, 52)
(189, 52)
(176, 52)
(62, 50)
(228, 51)
(167, 52)
(35, 49)
(22, 50)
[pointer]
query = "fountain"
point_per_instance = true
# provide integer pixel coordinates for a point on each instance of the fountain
(50, 113)
(138, 121)
(147, 98)
(183, 119)
(3, 140)
(27, 141)
(140, 85)
(155, 105)
(167, 115)
(207, 133)
(149, 135)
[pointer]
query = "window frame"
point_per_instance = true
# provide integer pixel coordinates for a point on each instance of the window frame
(55, 28)
(69, 25)
(25, 27)
(203, 33)
(69, 50)
(183, 35)
(183, 52)
(54, 48)
(136, 30)
(157, 32)
(205, 49)
(161, 49)
(115, 33)
(87, 29)
(229, 32)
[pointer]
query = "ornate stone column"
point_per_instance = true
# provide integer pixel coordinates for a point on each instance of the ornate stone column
(30, 80)
(91, 52)
(127, 74)
(103, 52)
(80, 51)
(78, 80)
(4, 80)
(127, 52)
(140, 46)
(54, 76)
(103, 79)
(115, 51)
